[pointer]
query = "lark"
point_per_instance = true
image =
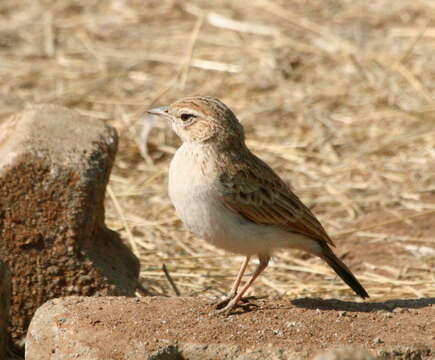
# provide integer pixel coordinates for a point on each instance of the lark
(226, 195)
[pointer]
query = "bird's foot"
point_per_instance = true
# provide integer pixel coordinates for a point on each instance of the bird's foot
(225, 307)
(224, 303)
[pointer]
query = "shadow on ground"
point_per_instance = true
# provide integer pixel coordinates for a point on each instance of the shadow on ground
(339, 305)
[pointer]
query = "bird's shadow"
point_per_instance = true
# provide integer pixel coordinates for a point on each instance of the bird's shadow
(350, 306)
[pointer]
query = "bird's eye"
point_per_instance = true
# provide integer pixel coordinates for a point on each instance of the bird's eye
(186, 116)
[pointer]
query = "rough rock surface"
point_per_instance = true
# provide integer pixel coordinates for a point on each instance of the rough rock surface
(54, 167)
(184, 328)
(5, 292)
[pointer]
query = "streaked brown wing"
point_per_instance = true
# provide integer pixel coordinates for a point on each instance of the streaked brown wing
(259, 195)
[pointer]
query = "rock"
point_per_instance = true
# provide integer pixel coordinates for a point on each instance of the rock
(5, 292)
(81, 328)
(234, 352)
(54, 167)
(345, 354)
(101, 328)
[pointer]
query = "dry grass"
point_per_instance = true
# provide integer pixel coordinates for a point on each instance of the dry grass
(338, 96)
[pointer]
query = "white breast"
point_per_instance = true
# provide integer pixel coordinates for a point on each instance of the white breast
(190, 188)
(194, 193)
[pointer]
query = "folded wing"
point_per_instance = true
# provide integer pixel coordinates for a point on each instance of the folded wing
(259, 195)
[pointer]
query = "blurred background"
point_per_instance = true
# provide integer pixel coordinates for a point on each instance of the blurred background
(338, 96)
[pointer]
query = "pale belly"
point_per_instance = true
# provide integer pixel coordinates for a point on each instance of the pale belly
(209, 220)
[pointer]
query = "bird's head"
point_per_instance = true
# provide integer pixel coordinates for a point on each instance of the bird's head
(201, 120)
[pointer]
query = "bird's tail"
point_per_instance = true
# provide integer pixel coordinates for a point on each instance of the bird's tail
(343, 271)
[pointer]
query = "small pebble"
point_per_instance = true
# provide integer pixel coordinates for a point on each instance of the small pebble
(378, 341)
(278, 333)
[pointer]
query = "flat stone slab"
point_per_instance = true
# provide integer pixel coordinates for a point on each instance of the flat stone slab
(155, 327)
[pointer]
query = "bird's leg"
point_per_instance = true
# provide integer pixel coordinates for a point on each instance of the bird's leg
(264, 261)
(238, 280)
(236, 284)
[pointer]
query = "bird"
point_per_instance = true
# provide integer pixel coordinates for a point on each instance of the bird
(229, 197)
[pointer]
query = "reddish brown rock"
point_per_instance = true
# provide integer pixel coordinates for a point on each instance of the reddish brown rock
(186, 328)
(54, 167)
(5, 292)
(347, 353)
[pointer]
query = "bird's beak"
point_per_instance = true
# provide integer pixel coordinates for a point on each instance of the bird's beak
(148, 120)
(160, 111)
